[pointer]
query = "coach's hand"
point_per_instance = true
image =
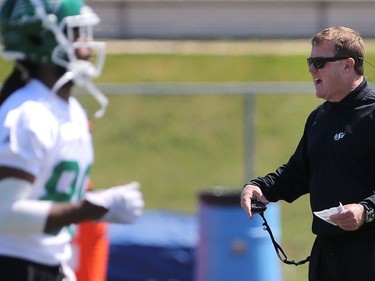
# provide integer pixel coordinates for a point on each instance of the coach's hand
(251, 192)
(351, 218)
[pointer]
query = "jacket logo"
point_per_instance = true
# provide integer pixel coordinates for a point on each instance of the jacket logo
(339, 136)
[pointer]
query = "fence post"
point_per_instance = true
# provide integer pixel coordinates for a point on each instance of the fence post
(249, 134)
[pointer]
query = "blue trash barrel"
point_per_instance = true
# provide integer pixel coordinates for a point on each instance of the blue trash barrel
(231, 246)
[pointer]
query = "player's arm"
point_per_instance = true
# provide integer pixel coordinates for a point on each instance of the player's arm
(24, 216)
(121, 204)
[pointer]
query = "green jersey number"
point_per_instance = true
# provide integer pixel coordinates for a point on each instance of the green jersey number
(68, 173)
(74, 189)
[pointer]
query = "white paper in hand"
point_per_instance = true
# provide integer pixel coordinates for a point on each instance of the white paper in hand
(325, 214)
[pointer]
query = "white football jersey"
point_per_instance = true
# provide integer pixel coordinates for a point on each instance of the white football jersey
(49, 138)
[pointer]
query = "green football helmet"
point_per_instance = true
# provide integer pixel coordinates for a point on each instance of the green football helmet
(48, 32)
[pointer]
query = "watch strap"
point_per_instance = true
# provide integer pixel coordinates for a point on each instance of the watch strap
(369, 211)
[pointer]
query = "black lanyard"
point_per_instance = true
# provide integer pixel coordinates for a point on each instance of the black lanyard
(279, 251)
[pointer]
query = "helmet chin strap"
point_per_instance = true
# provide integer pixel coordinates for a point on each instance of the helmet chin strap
(100, 98)
(71, 75)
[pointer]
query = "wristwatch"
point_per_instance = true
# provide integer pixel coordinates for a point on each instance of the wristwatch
(370, 212)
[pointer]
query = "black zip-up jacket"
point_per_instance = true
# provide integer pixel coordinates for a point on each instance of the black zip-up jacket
(334, 160)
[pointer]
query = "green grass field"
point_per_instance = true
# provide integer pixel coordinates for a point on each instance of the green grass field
(161, 140)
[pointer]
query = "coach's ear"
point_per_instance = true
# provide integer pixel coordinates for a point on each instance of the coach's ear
(349, 65)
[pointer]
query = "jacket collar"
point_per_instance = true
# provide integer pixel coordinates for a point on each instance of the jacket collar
(353, 97)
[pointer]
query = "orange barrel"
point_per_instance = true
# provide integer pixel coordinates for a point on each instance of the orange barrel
(91, 249)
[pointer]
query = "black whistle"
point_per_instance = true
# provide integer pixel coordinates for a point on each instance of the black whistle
(257, 207)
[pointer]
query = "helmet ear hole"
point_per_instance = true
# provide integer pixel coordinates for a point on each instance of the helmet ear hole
(36, 40)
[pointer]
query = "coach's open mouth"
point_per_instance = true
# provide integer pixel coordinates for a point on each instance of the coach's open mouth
(317, 81)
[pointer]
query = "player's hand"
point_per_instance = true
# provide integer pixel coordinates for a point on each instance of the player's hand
(124, 203)
(251, 192)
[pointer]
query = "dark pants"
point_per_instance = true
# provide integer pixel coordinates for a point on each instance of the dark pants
(347, 258)
(14, 269)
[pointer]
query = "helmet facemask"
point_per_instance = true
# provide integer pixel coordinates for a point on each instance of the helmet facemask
(74, 33)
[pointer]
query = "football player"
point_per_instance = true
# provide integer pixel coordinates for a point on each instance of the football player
(45, 144)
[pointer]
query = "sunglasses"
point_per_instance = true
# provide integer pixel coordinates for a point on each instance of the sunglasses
(320, 62)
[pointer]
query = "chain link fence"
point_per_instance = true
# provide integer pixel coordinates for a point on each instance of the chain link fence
(177, 139)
